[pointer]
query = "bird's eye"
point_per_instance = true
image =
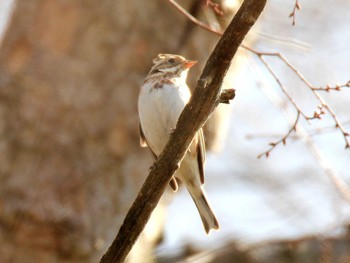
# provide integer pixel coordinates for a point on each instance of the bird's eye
(171, 60)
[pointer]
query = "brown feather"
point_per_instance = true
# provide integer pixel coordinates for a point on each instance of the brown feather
(143, 142)
(201, 154)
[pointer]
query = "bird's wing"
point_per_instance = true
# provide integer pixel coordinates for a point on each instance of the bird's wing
(201, 154)
(143, 142)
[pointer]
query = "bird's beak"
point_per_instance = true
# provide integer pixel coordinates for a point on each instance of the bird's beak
(189, 63)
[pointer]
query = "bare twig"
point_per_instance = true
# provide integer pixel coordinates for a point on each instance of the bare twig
(201, 105)
(285, 40)
(323, 104)
(321, 109)
(216, 7)
(284, 90)
(305, 136)
(296, 7)
(337, 87)
(283, 139)
(193, 19)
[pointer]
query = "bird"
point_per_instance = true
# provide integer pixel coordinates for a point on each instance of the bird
(163, 95)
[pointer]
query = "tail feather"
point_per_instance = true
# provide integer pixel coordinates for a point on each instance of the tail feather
(206, 213)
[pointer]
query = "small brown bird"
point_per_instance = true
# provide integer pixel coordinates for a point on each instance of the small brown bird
(163, 96)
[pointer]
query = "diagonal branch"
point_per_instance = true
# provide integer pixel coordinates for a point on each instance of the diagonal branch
(205, 98)
(193, 19)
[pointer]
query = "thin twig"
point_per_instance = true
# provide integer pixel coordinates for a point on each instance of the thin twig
(305, 136)
(284, 90)
(216, 7)
(283, 139)
(296, 7)
(323, 105)
(284, 40)
(337, 87)
(193, 19)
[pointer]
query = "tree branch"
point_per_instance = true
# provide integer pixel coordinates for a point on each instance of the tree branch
(205, 98)
(193, 19)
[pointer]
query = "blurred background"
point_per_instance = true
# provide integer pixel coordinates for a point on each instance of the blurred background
(70, 160)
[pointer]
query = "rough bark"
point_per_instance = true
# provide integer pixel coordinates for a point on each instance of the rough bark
(69, 81)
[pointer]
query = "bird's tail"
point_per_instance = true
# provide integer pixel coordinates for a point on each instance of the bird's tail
(206, 213)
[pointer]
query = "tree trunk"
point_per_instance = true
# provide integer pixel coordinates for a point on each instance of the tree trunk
(70, 160)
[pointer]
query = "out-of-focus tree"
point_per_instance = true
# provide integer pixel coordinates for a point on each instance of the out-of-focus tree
(70, 161)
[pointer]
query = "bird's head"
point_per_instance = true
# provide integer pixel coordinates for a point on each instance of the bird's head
(171, 65)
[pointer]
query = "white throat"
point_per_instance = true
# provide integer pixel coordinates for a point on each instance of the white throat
(182, 78)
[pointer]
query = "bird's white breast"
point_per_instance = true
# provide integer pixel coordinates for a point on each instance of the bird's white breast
(159, 108)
